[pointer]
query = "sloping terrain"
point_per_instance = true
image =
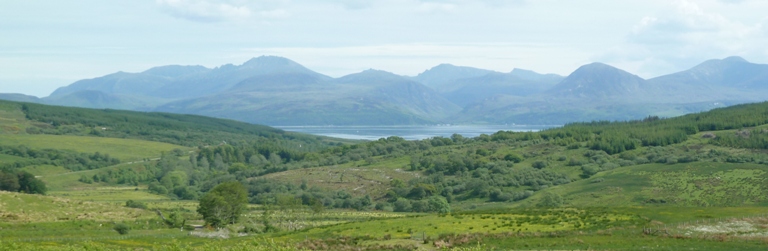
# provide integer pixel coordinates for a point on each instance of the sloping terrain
(277, 91)
(604, 184)
(367, 98)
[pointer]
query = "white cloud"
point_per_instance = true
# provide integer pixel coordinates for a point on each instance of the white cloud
(206, 10)
(684, 35)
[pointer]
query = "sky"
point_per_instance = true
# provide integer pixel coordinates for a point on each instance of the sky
(48, 44)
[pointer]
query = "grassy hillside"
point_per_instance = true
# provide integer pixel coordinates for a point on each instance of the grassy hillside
(187, 130)
(596, 185)
(28, 208)
(123, 149)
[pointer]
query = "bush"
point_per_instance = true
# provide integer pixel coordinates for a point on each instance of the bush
(609, 166)
(589, 170)
(575, 162)
(550, 200)
(670, 160)
(402, 205)
(514, 157)
(156, 188)
(598, 180)
(122, 228)
(135, 204)
(539, 164)
(250, 230)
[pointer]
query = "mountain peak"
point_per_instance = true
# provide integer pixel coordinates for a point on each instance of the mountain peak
(728, 72)
(175, 70)
(374, 73)
(719, 63)
(268, 65)
(262, 61)
(735, 59)
(443, 66)
(443, 74)
(599, 80)
(597, 66)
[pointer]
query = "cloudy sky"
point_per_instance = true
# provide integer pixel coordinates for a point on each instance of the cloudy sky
(47, 44)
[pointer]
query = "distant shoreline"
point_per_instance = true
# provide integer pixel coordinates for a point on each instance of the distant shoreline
(409, 132)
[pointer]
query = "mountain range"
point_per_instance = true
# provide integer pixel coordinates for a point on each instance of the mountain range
(277, 91)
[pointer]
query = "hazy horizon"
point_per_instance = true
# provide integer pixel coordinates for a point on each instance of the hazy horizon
(57, 43)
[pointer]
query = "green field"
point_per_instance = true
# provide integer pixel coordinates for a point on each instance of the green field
(697, 184)
(123, 149)
(4, 158)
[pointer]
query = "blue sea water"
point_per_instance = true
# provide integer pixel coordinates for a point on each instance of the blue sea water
(409, 132)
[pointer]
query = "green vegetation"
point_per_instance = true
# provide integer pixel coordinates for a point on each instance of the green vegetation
(224, 204)
(22, 182)
(695, 181)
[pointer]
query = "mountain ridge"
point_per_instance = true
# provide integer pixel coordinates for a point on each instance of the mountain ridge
(272, 89)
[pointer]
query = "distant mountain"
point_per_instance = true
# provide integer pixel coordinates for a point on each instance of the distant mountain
(439, 76)
(600, 81)
(406, 95)
(733, 72)
(732, 78)
(19, 97)
(366, 98)
(277, 91)
(601, 92)
(175, 71)
(103, 100)
(223, 78)
(182, 82)
(517, 83)
(535, 76)
(145, 83)
(466, 85)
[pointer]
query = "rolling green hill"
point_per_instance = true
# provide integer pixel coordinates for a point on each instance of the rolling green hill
(584, 185)
(187, 130)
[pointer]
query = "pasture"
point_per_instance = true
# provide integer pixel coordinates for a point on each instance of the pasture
(124, 149)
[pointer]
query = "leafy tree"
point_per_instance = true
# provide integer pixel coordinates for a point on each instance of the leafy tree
(550, 200)
(419, 206)
(9, 182)
(155, 187)
(223, 204)
(439, 204)
(176, 219)
(402, 205)
(316, 206)
(29, 184)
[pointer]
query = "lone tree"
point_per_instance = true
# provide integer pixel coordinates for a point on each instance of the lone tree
(223, 204)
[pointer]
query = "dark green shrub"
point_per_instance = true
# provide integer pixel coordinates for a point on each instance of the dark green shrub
(514, 157)
(135, 204)
(122, 228)
(250, 230)
(539, 164)
(598, 180)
